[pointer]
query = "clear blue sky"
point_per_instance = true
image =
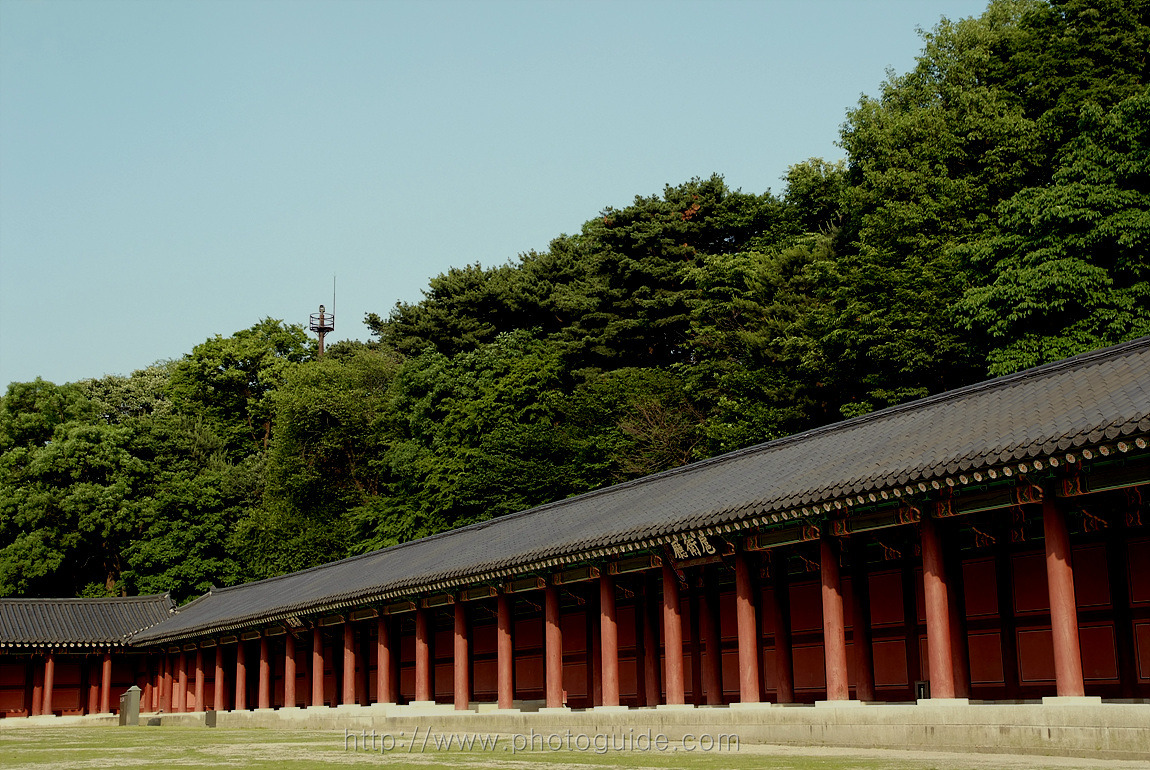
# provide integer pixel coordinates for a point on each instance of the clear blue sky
(174, 170)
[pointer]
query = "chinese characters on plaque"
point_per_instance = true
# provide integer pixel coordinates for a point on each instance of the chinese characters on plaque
(692, 546)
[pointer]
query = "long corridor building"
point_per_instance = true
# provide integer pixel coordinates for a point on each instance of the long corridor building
(987, 543)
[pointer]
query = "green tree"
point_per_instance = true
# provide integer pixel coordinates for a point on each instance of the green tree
(125, 496)
(641, 257)
(325, 459)
(30, 412)
(758, 370)
(67, 510)
(461, 309)
(613, 295)
(1069, 264)
(117, 399)
(231, 380)
(195, 499)
(442, 411)
(981, 117)
(928, 160)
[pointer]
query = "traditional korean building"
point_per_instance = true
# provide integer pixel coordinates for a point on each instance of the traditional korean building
(988, 543)
(67, 656)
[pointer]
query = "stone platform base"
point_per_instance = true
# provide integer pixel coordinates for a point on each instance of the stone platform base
(1117, 730)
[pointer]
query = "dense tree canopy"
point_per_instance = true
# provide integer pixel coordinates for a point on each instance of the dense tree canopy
(992, 213)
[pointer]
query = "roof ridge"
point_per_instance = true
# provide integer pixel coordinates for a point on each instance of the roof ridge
(1113, 351)
(178, 609)
(79, 621)
(367, 554)
(344, 560)
(81, 599)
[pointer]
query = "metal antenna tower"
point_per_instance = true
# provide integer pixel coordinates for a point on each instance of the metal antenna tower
(323, 322)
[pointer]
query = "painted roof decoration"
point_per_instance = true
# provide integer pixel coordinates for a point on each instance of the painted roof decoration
(1085, 404)
(79, 622)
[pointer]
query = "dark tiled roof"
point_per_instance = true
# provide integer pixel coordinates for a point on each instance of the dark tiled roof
(1083, 400)
(78, 622)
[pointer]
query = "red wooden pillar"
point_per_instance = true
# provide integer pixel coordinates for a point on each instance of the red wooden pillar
(179, 683)
(161, 666)
(1063, 606)
(696, 646)
(553, 648)
(673, 637)
(163, 683)
(241, 701)
(289, 671)
(148, 692)
(170, 677)
(748, 624)
(384, 679)
(157, 681)
(861, 634)
(651, 666)
(146, 695)
(167, 684)
(461, 660)
(959, 649)
(189, 687)
(940, 657)
(106, 684)
(594, 655)
(157, 672)
(92, 686)
(37, 689)
(834, 626)
(363, 678)
(49, 682)
(218, 682)
(264, 697)
(316, 667)
(199, 663)
(422, 657)
(609, 640)
(640, 648)
(152, 688)
(709, 634)
(177, 672)
(181, 698)
(171, 685)
(159, 696)
(349, 656)
(504, 653)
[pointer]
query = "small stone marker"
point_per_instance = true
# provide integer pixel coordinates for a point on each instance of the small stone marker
(130, 706)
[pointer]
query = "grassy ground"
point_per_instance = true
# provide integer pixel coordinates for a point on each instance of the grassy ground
(174, 747)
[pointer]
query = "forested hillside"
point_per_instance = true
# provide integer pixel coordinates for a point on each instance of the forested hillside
(992, 214)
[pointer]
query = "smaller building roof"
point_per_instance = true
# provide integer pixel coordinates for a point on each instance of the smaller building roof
(79, 622)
